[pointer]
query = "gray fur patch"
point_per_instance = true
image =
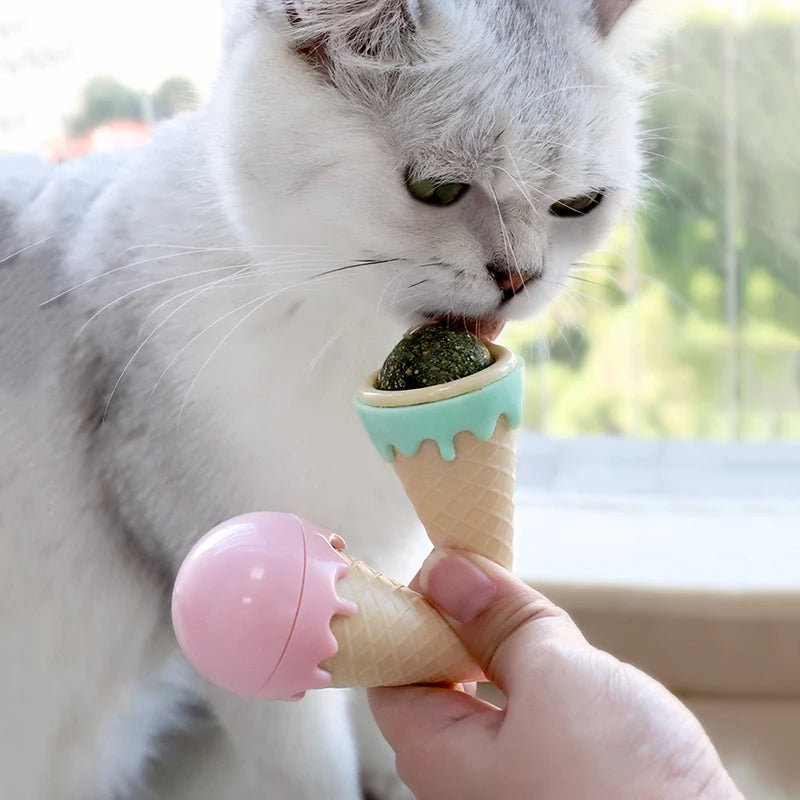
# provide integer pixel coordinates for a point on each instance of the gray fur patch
(94, 379)
(144, 551)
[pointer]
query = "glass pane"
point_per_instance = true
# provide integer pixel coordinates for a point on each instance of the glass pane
(688, 323)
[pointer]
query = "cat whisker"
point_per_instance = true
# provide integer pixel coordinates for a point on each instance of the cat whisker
(261, 302)
(548, 355)
(194, 338)
(561, 333)
(539, 166)
(674, 295)
(397, 280)
(607, 274)
(326, 348)
(644, 137)
(610, 278)
(692, 128)
(522, 143)
(357, 265)
(153, 259)
(574, 301)
(562, 145)
(229, 249)
(577, 293)
(198, 292)
(573, 88)
(420, 282)
(509, 245)
(642, 237)
(285, 264)
(113, 271)
(140, 289)
(662, 188)
(522, 191)
(587, 266)
(25, 249)
(503, 229)
(584, 280)
(228, 279)
(552, 173)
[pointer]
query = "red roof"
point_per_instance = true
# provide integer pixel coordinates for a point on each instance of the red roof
(103, 139)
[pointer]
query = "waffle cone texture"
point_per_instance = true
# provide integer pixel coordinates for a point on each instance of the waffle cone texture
(467, 503)
(396, 638)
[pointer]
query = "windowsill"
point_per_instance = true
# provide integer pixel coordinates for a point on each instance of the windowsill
(680, 515)
(682, 558)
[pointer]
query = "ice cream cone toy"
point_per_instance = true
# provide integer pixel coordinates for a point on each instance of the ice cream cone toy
(270, 606)
(453, 447)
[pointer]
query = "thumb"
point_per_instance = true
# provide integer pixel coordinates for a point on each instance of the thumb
(500, 619)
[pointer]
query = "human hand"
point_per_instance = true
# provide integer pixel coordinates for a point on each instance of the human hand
(578, 724)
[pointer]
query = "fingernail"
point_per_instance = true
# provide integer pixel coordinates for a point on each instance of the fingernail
(456, 585)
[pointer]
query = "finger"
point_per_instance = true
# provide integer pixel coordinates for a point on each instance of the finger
(427, 726)
(414, 582)
(501, 620)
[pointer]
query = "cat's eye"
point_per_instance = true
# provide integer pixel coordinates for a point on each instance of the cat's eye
(577, 206)
(436, 193)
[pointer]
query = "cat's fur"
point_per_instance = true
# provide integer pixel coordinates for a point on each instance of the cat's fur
(211, 240)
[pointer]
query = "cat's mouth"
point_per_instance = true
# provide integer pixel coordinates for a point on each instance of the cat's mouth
(489, 326)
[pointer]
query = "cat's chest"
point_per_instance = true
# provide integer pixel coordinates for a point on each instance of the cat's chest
(286, 422)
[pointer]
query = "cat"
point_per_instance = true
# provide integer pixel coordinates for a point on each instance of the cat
(182, 327)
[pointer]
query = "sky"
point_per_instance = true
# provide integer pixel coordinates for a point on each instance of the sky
(139, 41)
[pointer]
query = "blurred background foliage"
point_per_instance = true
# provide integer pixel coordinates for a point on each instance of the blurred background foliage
(644, 342)
(106, 99)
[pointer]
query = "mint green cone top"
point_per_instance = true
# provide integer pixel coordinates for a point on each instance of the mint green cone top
(404, 429)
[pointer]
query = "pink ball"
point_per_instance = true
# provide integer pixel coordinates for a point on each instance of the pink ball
(252, 605)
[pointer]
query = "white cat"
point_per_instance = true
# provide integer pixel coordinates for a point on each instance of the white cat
(182, 327)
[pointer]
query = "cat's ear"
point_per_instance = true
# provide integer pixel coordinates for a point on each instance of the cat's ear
(323, 29)
(608, 13)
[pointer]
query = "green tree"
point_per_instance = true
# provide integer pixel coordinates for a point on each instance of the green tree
(104, 99)
(175, 94)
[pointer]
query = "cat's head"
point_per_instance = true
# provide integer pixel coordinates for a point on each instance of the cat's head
(472, 149)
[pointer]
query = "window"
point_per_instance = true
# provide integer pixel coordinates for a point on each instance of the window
(688, 324)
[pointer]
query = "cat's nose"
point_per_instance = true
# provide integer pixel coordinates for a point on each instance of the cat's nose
(510, 281)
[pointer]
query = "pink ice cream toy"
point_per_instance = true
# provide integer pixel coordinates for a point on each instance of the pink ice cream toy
(253, 603)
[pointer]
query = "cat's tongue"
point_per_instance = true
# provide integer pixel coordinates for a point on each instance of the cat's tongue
(487, 329)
